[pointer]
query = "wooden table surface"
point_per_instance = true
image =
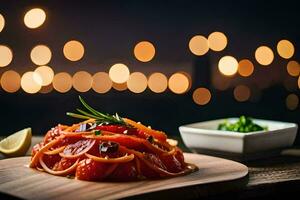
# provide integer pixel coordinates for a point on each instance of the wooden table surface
(274, 177)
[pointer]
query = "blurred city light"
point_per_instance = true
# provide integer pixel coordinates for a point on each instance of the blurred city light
(245, 68)
(144, 51)
(31, 82)
(137, 82)
(34, 18)
(11, 81)
(264, 55)
(293, 68)
(2, 22)
(41, 55)
(119, 73)
(62, 82)
(292, 101)
(241, 93)
(101, 82)
(201, 96)
(157, 82)
(285, 49)
(82, 81)
(6, 56)
(179, 83)
(73, 50)
(46, 73)
(199, 45)
(217, 41)
(228, 65)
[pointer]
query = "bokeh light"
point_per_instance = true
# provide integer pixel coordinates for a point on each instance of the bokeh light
(285, 49)
(228, 65)
(62, 82)
(2, 22)
(179, 83)
(34, 18)
(158, 82)
(241, 93)
(144, 51)
(217, 41)
(40, 55)
(120, 86)
(119, 73)
(137, 82)
(10, 81)
(245, 68)
(30, 82)
(101, 82)
(299, 82)
(199, 45)
(201, 96)
(264, 55)
(6, 56)
(46, 89)
(46, 73)
(73, 50)
(293, 68)
(292, 101)
(82, 81)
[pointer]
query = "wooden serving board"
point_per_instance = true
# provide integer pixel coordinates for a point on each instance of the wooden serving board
(20, 181)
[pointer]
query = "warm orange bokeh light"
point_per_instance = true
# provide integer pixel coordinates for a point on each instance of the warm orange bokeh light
(285, 49)
(137, 82)
(119, 73)
(293, 68)
(292, 101)
(241, 93)
(217, 41)
(46, 73)
(179, 83)
(82, 81)
(144, 51)
(31, 82)
(199, 45)
(46, 89)
(2, 22)
(6, 56)
(158, 82)
(101, 82)
(228, 65)
(62, 82)
(41, 55)
(120, 86)
(201, 96)
(246, 67)
(34, 18)
(11, 81)
(264, 55)
(73, 50)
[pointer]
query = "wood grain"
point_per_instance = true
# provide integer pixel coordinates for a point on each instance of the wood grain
(18, 180)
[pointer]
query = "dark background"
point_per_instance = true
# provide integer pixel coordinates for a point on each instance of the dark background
(109, 31)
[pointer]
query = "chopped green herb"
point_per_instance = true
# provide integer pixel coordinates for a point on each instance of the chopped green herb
(243, 125)
(97, 132)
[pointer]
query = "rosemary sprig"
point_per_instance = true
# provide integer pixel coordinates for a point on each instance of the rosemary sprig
(92, 113)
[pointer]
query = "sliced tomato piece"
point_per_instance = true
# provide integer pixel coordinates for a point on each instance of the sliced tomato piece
(51, 160)
(124, 172)
(90, 170)
(52, 134)
(77, 149)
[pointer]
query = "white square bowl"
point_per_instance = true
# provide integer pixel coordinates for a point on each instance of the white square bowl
(205, 136)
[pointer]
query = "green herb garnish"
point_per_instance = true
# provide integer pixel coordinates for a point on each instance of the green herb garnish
(91, 113)
(243, 125)
(97, 132)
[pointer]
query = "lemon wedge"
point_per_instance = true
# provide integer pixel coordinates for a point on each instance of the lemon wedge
(16, 144)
